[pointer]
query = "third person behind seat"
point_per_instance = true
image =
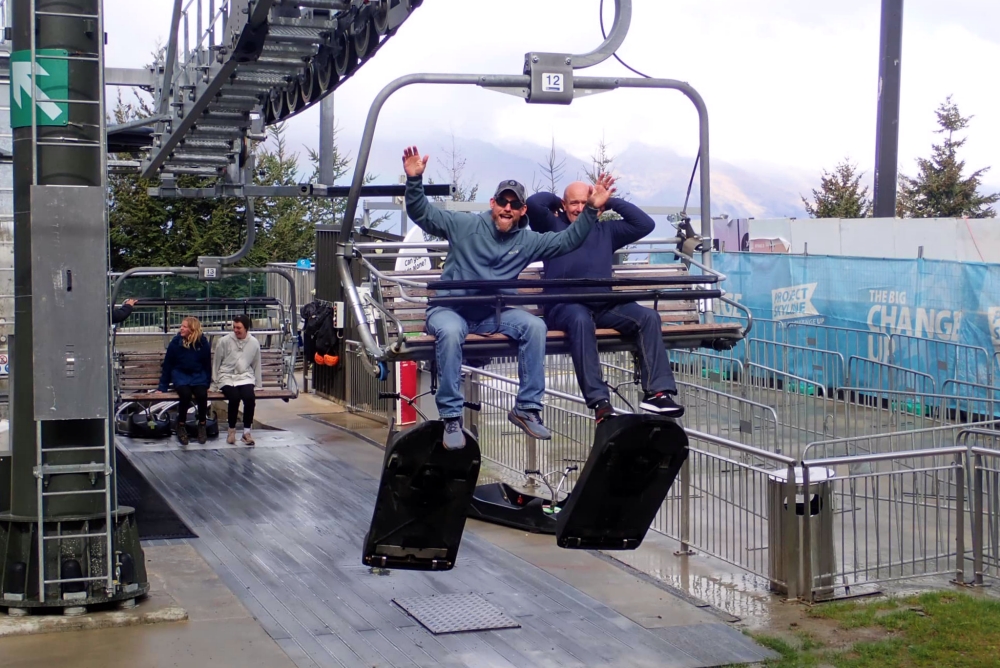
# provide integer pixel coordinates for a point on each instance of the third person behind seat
(595, 259)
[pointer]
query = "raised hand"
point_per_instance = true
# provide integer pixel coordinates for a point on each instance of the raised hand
(602, 191)
(413, 164)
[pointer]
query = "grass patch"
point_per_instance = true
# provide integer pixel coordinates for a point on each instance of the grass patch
(931, 630)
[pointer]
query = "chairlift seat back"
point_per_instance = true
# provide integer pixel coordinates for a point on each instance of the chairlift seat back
(628, 474)
(423, 497)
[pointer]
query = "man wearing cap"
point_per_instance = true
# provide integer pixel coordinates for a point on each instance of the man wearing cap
(595, 259)
(493, 245)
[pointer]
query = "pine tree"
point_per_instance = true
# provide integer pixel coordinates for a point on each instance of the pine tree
(602, 162)
(840, 194)
(939, 190)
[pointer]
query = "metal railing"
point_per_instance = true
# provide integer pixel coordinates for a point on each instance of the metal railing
(362, 389)
(909, 481)
(895, 515)
(929, 438)
(720, 505)
(805, 409)
(863, 372)
(952, 360)
(305, 284)
(823, 367)
(851, 342)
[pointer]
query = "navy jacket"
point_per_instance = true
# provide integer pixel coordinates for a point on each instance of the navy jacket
(186, 366)
(479, 251)
(595, 258)
(120, 314)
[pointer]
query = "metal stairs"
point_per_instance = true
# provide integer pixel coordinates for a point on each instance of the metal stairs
(233, 67)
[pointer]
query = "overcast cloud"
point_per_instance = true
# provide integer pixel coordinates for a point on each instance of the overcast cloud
(790, 85)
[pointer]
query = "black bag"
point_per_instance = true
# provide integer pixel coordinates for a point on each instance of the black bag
(314, 314)
(326, 336)
(135, 421)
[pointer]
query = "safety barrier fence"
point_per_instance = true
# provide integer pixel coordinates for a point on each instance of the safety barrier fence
(864, 372)
(953, 360)
(888, 484)
(823, 367)
(361, 388)
(882, 517)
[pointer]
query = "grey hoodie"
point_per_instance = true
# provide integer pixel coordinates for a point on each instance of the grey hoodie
(479, 251)
(237, 362)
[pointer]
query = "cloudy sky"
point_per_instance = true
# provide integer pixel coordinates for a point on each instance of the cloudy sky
(790, 85)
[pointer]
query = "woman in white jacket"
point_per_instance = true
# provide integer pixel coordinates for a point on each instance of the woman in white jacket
(236, 371)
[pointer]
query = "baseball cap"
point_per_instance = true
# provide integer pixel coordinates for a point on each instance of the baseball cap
(513, 186)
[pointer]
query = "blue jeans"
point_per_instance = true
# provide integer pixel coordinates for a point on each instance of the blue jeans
(450, 329)
(638, 323)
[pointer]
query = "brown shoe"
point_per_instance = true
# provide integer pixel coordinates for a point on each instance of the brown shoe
(182, 433)
(202, 433)
(231, 437)
(248, 439)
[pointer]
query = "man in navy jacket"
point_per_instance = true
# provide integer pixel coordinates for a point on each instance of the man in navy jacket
(491, 246)
(594, 259)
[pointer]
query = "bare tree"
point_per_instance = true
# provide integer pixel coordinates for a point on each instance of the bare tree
(552, 171)
(453, 163)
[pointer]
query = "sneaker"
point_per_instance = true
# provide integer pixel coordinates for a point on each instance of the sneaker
(182, 433)
(662, 404)
(604, 410)
(248, 439)
(202, 433)
(454, 437)
(530, 423)
(231, 437)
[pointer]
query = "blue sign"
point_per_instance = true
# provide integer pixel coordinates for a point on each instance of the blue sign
(935, 316)
(304, 263)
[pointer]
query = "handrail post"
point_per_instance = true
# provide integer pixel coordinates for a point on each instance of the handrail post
(977, 519)
(472, 392)
(960, 459)
(805, 558)
(685, 510)
(531, 462)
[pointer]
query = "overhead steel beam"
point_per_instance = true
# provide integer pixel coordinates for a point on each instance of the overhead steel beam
(302, 190)
(242, 38)
(128, 76)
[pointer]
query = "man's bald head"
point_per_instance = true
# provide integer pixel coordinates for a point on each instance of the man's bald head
(575, 198)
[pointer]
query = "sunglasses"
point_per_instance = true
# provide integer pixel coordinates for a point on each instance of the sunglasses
(502, 202)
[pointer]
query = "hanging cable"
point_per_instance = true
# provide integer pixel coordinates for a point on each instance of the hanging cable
(691, 183)
(604, 34)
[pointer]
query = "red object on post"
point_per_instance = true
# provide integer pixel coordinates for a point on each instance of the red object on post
(406, 385)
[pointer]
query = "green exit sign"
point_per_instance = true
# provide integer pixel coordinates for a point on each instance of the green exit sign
(40, 90)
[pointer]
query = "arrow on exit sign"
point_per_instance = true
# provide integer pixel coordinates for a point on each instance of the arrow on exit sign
(50, 81)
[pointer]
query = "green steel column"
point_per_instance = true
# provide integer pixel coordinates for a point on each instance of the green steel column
(69, 152)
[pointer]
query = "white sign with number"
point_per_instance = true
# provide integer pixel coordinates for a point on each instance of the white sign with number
(552, 82)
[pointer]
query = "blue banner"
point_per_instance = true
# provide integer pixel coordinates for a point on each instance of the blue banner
(938, 317)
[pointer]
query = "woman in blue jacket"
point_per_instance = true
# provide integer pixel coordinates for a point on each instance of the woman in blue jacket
(188, 367)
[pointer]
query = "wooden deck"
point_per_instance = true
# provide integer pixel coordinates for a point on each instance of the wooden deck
(283, 525)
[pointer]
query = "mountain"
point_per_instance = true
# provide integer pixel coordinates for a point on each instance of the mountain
(648, 175)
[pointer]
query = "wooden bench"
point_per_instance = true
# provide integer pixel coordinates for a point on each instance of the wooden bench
(682, 322)
(138, 374)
